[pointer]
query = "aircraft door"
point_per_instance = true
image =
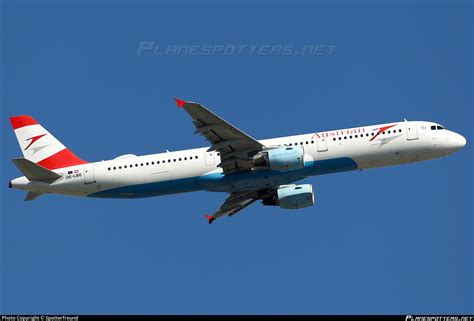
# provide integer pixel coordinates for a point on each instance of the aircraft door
(209, 156)
(321, 143)
(412, 131)
(89, 175)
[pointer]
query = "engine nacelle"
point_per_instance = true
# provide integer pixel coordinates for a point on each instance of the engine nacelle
(295, 196)
(292, 197)
(282, 158)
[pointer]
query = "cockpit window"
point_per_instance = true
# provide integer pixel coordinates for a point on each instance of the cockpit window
(436, 127)
(433, 127)
(439, 127)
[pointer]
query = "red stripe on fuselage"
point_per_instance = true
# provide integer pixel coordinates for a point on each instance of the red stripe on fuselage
(22, 121)
(64, 158)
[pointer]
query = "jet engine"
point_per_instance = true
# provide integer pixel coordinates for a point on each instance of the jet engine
(292, 197)
(282, 158)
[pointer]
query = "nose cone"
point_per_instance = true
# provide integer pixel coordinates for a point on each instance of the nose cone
(456, 141)
(452, 143)
(459, 141)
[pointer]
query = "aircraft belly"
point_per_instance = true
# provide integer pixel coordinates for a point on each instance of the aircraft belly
(174, 186)
(260, 179)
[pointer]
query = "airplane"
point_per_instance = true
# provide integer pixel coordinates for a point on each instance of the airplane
(245, 168)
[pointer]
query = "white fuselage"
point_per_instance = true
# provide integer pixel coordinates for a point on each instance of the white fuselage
(131, 176)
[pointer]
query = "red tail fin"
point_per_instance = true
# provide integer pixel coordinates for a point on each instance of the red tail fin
(40, 147)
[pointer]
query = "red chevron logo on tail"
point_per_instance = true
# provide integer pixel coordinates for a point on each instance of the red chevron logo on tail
(33, 139)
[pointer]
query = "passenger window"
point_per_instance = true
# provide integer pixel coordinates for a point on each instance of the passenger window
(312, 142)
(340, 138)
(115, 168)
(180, 159)
(195, 157)
(334, 139)
(356, 136)
(147, 163)
(108, 168)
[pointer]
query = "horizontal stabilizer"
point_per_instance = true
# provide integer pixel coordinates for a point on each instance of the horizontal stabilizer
(32, 196)
(35, 172)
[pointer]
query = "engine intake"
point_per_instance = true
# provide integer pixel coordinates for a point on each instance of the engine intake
(292, 197)
(282, 158)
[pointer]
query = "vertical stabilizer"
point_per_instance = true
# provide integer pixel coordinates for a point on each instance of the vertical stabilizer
(40, 147)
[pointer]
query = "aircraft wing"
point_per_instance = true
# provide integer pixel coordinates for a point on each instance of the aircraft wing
(234, 203)
(239, 200)
(235, 147)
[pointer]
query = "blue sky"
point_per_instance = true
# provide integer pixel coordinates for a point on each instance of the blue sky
(390, 240)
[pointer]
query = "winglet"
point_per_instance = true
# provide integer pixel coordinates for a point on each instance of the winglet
(180, 102)
(210, 218)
